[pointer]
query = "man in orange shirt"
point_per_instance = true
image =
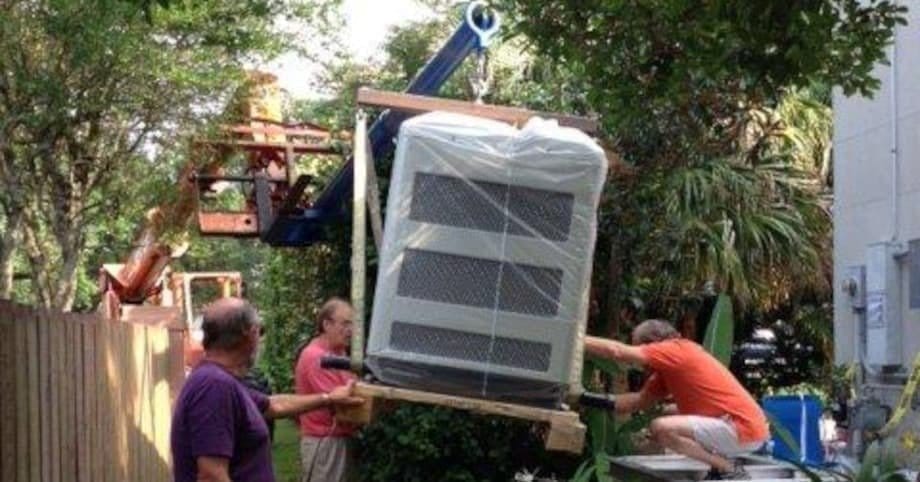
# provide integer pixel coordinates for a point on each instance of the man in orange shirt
(717, 418)
(324, 451)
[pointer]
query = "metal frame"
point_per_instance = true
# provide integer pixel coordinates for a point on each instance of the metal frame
(679, 468)
(273, 198)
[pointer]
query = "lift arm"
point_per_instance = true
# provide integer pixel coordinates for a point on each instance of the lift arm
(474, 34)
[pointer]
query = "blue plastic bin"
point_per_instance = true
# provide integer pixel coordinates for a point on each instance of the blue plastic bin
(800, 415)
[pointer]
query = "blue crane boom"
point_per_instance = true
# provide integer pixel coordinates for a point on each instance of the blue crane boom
(307, 226)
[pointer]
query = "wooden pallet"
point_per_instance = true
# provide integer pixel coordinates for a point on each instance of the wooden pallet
(565, 431)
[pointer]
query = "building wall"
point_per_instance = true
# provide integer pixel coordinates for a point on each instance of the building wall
(863, 183)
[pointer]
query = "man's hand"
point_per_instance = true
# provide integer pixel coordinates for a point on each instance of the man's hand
(634, 401)
(343, 396)
(285, 405)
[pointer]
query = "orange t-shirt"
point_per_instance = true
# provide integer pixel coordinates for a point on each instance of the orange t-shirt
(701, 385)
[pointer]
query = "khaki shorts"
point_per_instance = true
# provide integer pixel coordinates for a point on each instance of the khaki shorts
(718, 435)
(324, 459)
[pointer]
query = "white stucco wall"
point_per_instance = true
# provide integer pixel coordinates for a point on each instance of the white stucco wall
(863, 183)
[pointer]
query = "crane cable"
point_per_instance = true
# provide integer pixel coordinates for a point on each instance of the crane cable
(486, 28)
(480, 81)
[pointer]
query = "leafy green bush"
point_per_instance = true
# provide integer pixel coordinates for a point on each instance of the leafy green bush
(421, 444)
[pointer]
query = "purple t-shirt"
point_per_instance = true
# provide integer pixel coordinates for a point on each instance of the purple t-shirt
(217, 416)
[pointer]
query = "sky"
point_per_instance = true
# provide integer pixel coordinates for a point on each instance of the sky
(367, 24)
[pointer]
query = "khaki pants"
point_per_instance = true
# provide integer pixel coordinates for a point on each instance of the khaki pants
(718, 435)
(325, 459)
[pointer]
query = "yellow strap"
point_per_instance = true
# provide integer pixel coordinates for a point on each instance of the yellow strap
(905, 401)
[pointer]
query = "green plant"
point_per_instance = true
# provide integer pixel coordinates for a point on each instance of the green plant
(878, 465)
(720, 332)
(419, 443)
(804, 388)
(606, 437)
(286, 451)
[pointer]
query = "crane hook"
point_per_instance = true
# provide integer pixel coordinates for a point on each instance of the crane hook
(483, 21)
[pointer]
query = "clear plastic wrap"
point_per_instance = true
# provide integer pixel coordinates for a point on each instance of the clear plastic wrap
(483, 280)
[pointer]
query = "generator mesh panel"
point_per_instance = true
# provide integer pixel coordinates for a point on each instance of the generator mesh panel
(490, 206)
(530, 290)
(464, 280)
(447, 343)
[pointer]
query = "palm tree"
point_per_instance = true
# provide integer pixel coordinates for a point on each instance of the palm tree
(754, 224)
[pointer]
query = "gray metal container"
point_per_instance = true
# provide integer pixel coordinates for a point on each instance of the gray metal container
(482, 287)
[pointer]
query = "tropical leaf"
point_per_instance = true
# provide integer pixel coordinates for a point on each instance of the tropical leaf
(812, 474)
(785, 435)
(886, 463)
(893, 477)
(605, 365)
(870, 463)
(585, 471)
(602, 462)
(720, 333)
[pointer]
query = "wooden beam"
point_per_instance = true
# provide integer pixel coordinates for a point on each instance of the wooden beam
(273, 129)
(298, 147)
(363, 414)
(477, 405)
(566, 431)
(232, 276)
(228, 224)
(417, 104)
(152, 315)
(373, 199)
(566, 434)
(358, 239)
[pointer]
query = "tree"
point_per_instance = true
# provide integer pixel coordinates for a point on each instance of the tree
(721, 144)
(88, 90)
(713, 107)
(674, 79)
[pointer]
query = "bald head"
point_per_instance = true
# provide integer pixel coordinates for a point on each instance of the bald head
(226, 322)
(334, 323)
(328, 310)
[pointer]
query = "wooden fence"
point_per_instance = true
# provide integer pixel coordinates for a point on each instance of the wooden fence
(84, 398)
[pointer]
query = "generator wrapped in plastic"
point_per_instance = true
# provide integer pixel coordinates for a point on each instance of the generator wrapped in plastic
(483, 278)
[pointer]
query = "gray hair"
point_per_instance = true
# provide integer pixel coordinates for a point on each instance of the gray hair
(327, 311)
(225, 323)
(651, 331)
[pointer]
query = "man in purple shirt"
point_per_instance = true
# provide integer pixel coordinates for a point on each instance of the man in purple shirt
(219, 433)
